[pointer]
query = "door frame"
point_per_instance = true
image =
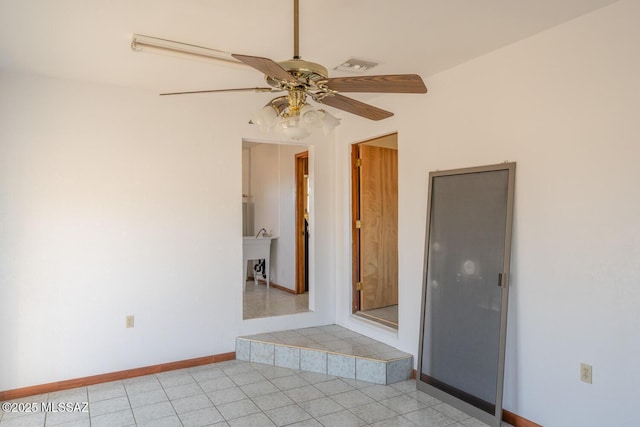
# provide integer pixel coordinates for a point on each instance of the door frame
(355, 232)
(301, 169)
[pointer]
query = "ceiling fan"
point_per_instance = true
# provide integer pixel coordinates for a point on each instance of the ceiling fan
(302, 79)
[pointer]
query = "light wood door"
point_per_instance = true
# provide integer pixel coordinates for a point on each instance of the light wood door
(378, 173)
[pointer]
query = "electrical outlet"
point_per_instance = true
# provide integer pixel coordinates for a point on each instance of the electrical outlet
(129, 322)
(586, 373)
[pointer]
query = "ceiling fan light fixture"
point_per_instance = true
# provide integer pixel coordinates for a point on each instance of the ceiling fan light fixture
(329, 122)
(294, 123)
(294, 128)
(265, 118)
(310, 116)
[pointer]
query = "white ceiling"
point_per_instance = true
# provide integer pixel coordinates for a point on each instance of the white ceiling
(89, 40)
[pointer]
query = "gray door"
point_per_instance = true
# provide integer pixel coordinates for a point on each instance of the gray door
(465, 289)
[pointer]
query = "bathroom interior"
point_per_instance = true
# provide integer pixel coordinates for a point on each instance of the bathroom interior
(276, 213)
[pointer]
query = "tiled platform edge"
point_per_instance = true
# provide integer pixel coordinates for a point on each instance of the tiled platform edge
(283, 349)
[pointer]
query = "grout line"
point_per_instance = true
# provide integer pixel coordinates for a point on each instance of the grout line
(126, 393)
(325, 351)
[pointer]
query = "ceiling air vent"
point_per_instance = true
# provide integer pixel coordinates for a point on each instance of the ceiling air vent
(354, 65)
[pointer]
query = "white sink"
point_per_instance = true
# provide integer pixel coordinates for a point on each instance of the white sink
(256, 248)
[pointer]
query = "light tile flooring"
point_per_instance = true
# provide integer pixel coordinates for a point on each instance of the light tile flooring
(329, 349)
(237, 393)
(331, 338)
(258, 301)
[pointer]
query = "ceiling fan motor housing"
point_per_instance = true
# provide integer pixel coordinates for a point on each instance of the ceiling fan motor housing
(308, 73)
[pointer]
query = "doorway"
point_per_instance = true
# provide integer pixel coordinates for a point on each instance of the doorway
(270, 212)
(374, 179)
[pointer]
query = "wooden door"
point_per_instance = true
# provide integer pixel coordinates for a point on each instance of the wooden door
(378, 226)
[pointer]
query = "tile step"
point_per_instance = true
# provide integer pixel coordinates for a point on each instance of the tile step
(331, 350)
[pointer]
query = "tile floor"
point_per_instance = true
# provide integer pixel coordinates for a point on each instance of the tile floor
(237, 393)
(329, 349)
(332, 338)
(258, 301)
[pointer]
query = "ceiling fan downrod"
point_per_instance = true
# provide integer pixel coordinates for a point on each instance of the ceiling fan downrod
(296, 29)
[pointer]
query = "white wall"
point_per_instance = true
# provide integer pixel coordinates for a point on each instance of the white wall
(564, 106)
(246, 175)
(116, 202)
(265, 191)
(97, 185)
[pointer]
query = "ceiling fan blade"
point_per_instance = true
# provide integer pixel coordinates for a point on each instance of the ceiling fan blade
(266, 66)
(390, 83)
(356, 107)
(244, 89)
